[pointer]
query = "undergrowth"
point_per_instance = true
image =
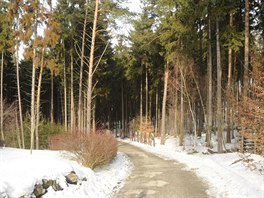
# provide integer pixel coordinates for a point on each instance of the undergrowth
(91, 149)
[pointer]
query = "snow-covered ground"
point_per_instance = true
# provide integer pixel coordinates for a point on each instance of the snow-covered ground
(226, 174)
(20, 171)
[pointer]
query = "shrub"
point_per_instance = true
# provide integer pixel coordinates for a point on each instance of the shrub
(91, 149)
(46, 129)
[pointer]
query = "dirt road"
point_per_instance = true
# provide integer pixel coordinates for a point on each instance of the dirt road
(155, 177)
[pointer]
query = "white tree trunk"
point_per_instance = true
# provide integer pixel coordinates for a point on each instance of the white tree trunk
(32, 112)
(164, 100)
(81, 69)
(91, 70)
(38, 98)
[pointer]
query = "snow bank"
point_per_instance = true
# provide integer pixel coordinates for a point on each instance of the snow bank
(20, 171)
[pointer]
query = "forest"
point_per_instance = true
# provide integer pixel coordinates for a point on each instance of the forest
(187, 67)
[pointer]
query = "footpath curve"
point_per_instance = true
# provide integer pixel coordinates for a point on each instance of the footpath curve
(154, 177)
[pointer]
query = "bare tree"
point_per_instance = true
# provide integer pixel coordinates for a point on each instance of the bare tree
(38, 97)
(91, 69)
(219, 92)
(65, 93)
(81, 68)
(164, 100)
(229, 79)
(210, 85)
(72, 95)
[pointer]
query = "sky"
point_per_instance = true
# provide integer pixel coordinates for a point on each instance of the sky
(123, 26)
(134, 5)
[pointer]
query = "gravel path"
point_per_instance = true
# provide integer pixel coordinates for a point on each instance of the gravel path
(154, 177)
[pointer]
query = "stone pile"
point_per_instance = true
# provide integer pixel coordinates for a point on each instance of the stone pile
(41, 189)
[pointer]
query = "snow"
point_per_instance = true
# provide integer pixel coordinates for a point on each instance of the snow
(20, 171)
(225, 176)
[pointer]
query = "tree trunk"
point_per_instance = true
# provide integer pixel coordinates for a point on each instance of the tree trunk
(210, 86)
(156, 112)
(246, 57)
(150, 106)
(228, 119)
(163, 118)
(33, 80)
(146, 110)
(19, 101)
(81, 70)
(1, 98)
(84, 113)
(72, 96)
(18, 133)
(51, 97)
(65, 94)
(141, 102)
(32, 112)
(90, 72)
(123, 113)
(182, 116)
(191, 110)
(38, 98)
(94, 119)
(219, 93)
(176, 132)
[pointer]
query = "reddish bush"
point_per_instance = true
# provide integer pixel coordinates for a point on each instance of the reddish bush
(90, 149)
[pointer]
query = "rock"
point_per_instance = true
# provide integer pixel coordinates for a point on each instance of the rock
(56, 186)
(38, 190)
(84, 179)
(72, 178)
(47, 183)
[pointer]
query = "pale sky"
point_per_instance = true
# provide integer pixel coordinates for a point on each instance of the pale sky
(124, 27)
(134, 5)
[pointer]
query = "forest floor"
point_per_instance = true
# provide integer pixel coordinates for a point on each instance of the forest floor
(153, 177)
(227, 175)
